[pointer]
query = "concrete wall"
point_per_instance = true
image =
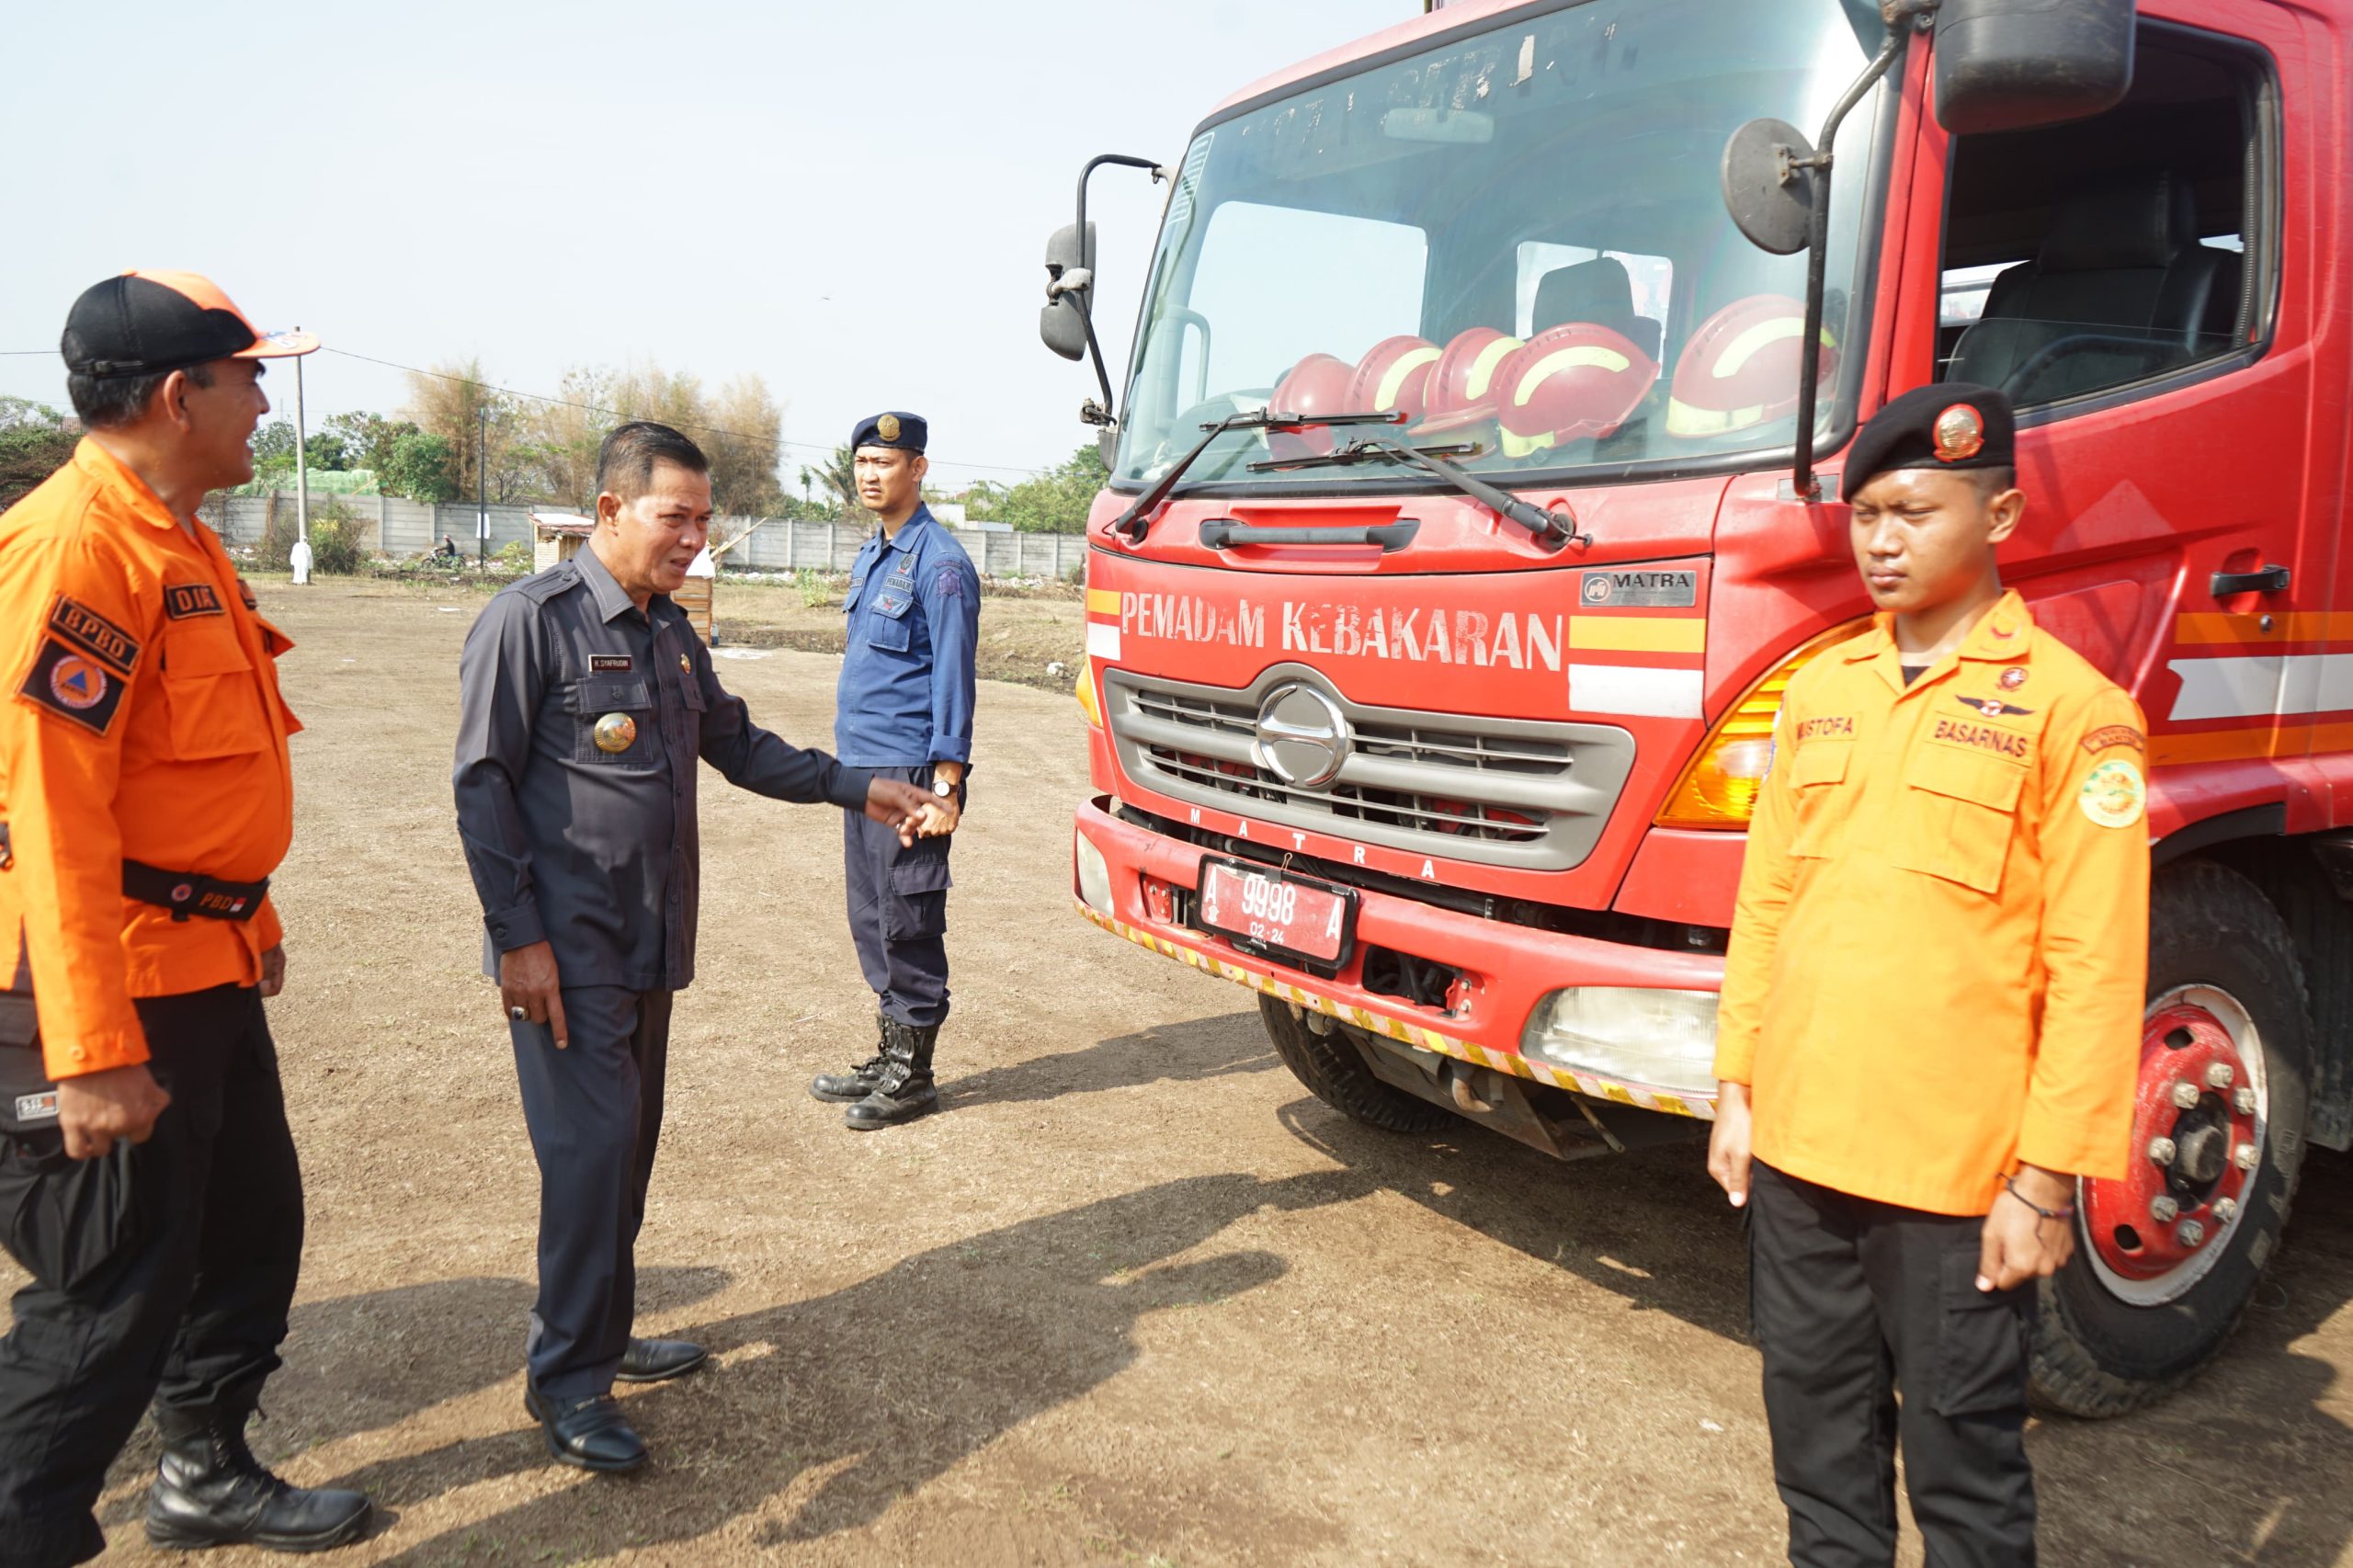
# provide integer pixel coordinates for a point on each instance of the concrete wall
(396, 528)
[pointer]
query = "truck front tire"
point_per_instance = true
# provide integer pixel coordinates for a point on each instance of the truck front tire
(1334, 1070)
(2139, 1308)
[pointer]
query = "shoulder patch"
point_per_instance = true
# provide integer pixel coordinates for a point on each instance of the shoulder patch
(2115, 737)
(93, 635)
(948, 582)
(2114, 793)
(182, 600)
(69, 682)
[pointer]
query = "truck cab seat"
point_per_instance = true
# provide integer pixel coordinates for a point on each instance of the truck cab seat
(1601, 291)
(2120, 289)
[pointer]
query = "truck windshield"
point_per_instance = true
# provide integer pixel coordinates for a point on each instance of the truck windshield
(1516, 239)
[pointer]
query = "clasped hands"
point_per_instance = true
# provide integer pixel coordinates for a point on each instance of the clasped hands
(911, 811)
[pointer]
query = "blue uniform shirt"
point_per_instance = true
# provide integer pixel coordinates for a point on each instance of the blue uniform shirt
(913, 609)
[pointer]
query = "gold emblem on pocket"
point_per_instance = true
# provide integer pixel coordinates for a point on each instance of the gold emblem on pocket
(616, 731)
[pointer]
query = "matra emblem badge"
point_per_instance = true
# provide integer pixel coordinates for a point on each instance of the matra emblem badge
(1959, 434)
(886, 426)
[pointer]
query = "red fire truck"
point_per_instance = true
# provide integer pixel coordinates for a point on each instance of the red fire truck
(1464, 527)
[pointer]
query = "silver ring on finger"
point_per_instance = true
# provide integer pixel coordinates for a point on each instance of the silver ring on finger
(519, 1014)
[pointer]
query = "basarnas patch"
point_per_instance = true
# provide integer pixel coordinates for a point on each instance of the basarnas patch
(70, 682)
(2114, 794)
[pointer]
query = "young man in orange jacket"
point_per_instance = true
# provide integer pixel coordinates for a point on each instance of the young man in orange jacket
(1931, 1011)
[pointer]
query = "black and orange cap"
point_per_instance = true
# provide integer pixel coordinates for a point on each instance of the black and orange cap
(144, 324)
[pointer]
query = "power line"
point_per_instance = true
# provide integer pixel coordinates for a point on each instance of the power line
(592, 408)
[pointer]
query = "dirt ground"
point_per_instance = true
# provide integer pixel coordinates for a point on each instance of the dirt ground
(1132, 1298)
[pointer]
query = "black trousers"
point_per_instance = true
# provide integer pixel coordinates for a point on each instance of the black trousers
(595, 1112)
(162, 1271)
(898, 910)
(1853, 1300)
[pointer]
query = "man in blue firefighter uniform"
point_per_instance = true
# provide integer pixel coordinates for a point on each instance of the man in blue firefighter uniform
(905, 710)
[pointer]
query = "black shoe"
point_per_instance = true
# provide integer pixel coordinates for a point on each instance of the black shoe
(859, 1082)
(904, 1090)
(211, 1491)
(654, 1360)
(591, 1434)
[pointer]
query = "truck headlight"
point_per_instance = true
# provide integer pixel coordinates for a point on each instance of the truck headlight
(1664, 1039)
(1094, 875)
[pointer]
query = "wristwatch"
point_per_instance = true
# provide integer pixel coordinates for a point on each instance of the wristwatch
(942, 788)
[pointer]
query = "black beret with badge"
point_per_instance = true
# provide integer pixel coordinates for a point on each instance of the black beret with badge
(1947, 425)
(906, 432)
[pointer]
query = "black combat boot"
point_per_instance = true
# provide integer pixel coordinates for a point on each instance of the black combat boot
(211, 1491)
(859, 1081)
(903, 1090)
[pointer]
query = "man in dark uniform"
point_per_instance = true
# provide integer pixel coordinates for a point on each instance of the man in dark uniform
(585, 700)
(149, 1183)
(905, 710)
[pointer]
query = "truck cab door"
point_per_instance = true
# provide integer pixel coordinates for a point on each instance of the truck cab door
(2120, 278)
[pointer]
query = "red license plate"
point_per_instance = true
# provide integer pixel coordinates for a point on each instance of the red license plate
(1267, 909)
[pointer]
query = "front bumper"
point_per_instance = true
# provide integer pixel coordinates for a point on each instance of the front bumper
(1509, 968)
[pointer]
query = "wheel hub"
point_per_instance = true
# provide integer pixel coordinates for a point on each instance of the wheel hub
(2198, 1125)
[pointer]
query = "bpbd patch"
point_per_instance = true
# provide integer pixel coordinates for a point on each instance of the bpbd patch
(94, 635)
(182, 600)
(68, 681)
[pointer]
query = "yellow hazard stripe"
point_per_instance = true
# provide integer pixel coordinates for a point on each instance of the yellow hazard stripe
(1639, 634)
(1419, 1036)
(1102, 601)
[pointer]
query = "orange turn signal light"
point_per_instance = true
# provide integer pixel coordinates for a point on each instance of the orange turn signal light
(1085, 690)
(1720, 787)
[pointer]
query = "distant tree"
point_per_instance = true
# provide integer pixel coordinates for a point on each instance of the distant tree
(450, 402)
(327, 450)
(366, 438)
(837, 478)
(35, 442)
(420, 466)
(1057, 500)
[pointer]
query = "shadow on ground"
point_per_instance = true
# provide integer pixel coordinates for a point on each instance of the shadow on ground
(2245, 1465)
(1170, 1053)
(1008, 1323)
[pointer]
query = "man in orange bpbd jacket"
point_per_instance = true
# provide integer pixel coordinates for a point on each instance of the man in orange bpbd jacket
(148, 1180)
(1931, 1013)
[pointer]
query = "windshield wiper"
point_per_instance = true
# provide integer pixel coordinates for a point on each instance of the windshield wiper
(1136, 519)
(1553, 529)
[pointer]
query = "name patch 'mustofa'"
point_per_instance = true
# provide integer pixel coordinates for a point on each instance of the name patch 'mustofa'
(184, 599)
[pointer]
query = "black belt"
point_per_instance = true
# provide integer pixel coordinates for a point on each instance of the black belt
(185, 893)
(182, 893)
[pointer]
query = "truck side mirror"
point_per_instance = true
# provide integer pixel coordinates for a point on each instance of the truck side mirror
(1069, 273)
(2009, 64)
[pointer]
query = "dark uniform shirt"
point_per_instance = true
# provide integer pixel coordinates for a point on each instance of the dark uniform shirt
(593, 851)
(913, 609)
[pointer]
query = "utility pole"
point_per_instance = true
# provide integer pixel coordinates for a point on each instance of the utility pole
(299, 558)
(482, 491)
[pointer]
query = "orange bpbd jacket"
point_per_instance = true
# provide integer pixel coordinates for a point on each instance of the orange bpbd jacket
(139, 719)
(1938, 956)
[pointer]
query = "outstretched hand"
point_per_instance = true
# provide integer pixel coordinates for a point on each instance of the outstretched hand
(898, 806)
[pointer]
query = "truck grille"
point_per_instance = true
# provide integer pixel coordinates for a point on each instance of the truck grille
(1502, 791)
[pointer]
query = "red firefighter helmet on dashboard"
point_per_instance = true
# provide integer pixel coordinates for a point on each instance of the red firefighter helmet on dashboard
(1393, 377)
(1463, 385)
(1741, 368)
(1317, 384)
(1570, 382)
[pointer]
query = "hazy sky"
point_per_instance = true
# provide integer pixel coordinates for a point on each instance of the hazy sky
(851, 200)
